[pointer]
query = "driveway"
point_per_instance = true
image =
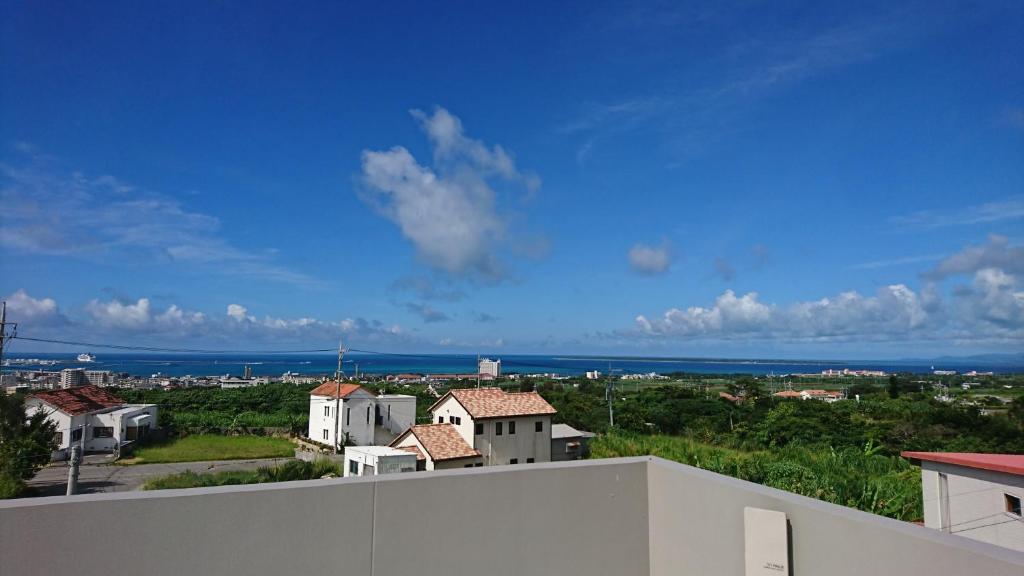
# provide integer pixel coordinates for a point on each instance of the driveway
(102, 477)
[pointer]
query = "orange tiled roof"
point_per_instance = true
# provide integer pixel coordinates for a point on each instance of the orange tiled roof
(496, 403)
(331, 390)
(441, 441)
(787, 394)
(415, 450)
(79, 400)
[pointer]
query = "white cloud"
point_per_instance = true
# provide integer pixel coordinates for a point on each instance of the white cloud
(48, 212)
(650, 260)
(115, 314)
(30, 311)
(998, 253)
(427, 312)
(1011, 208)
(238, 312)
(448, 210)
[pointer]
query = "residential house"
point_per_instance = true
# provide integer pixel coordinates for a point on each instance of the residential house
(346, 413)
(977, 496)
(438, 446)
(505, 427)
(568, 443)
(94, 417)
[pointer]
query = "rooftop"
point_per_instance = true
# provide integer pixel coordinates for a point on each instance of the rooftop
(378, 450)
(1008, 463)
(333, 390)
(79, 400)
(496, 403)
(637, 516)
(441, 441)
(566, 431)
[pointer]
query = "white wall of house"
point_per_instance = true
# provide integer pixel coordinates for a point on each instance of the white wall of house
(397, 411)
(377, 460)
(356, 422)
(973, 503)
(451, 412)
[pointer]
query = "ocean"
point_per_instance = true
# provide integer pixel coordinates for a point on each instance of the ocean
(169, 364)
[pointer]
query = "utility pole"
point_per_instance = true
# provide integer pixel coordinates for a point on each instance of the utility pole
(76, 459)
(4, 337)
(609, 393)
(337, 396)
(478, 370)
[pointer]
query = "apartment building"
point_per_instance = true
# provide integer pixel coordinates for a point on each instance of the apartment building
(505, 427)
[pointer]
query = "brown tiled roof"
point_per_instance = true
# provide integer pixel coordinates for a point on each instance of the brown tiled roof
(787, 394)
(79, 400)
(415, 450)
(496, 403)
(331, 390)
(441, 441)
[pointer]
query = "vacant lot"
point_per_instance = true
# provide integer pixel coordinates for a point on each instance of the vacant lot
(209, 447)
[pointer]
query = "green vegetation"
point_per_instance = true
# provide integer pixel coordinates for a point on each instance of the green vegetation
(861, 479)
(844, 452)
(25, 444)
(294, 470)
(226, 411)
(208, 447)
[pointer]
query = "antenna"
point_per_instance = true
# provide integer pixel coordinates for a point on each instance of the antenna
(4, 336)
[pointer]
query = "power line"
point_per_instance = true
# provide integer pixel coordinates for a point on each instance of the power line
(160, 349)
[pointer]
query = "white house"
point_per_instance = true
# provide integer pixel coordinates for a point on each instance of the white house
(376, 460)
(974, 495)
(438, 446)
(505, 427)
(106, 421)
(364, 417)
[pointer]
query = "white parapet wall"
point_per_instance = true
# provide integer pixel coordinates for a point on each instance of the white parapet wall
(621, 516)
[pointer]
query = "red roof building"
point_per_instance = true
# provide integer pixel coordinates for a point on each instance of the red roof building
(1008, 463)
(79, 400)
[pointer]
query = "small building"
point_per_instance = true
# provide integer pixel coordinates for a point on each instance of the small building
(568, 443)
(788, 394)
(376, 460)
(974, 495)
(94, 417)
(438, 446)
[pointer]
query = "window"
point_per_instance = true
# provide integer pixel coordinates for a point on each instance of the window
(514, 461)
(348, 415)
(1013, 504)
(451, 419)
(511, 427)
(497, 428)
(478, 429)
(440, 419)
(468, 466)
(325, 433)
(353, 467)
(538, 426)
(76, 434)
(458, 420)
(529, 460)
(103, 432)
(327, 410)
(367, 414)
(478, 465)
(60, 438)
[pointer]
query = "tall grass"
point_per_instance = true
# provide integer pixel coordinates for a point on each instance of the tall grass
(858, 478)
(209, 447)
(294, 470)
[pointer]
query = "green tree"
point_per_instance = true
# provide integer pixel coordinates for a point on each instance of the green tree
(25, 444)
(894, 387)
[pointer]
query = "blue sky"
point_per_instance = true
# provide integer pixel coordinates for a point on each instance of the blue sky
(731, 179)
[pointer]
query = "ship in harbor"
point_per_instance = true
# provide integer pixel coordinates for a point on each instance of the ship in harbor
(86, 357)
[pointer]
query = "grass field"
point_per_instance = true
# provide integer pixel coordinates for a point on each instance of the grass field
(208, 447)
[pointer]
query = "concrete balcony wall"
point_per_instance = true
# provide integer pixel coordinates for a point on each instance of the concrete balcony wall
(697, 529)
(616, 517)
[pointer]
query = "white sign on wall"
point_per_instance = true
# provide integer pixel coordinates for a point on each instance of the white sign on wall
(766, 541)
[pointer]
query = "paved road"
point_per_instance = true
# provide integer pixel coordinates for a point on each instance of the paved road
(101, 477)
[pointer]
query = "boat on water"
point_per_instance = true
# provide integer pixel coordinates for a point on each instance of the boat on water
(86, 357)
